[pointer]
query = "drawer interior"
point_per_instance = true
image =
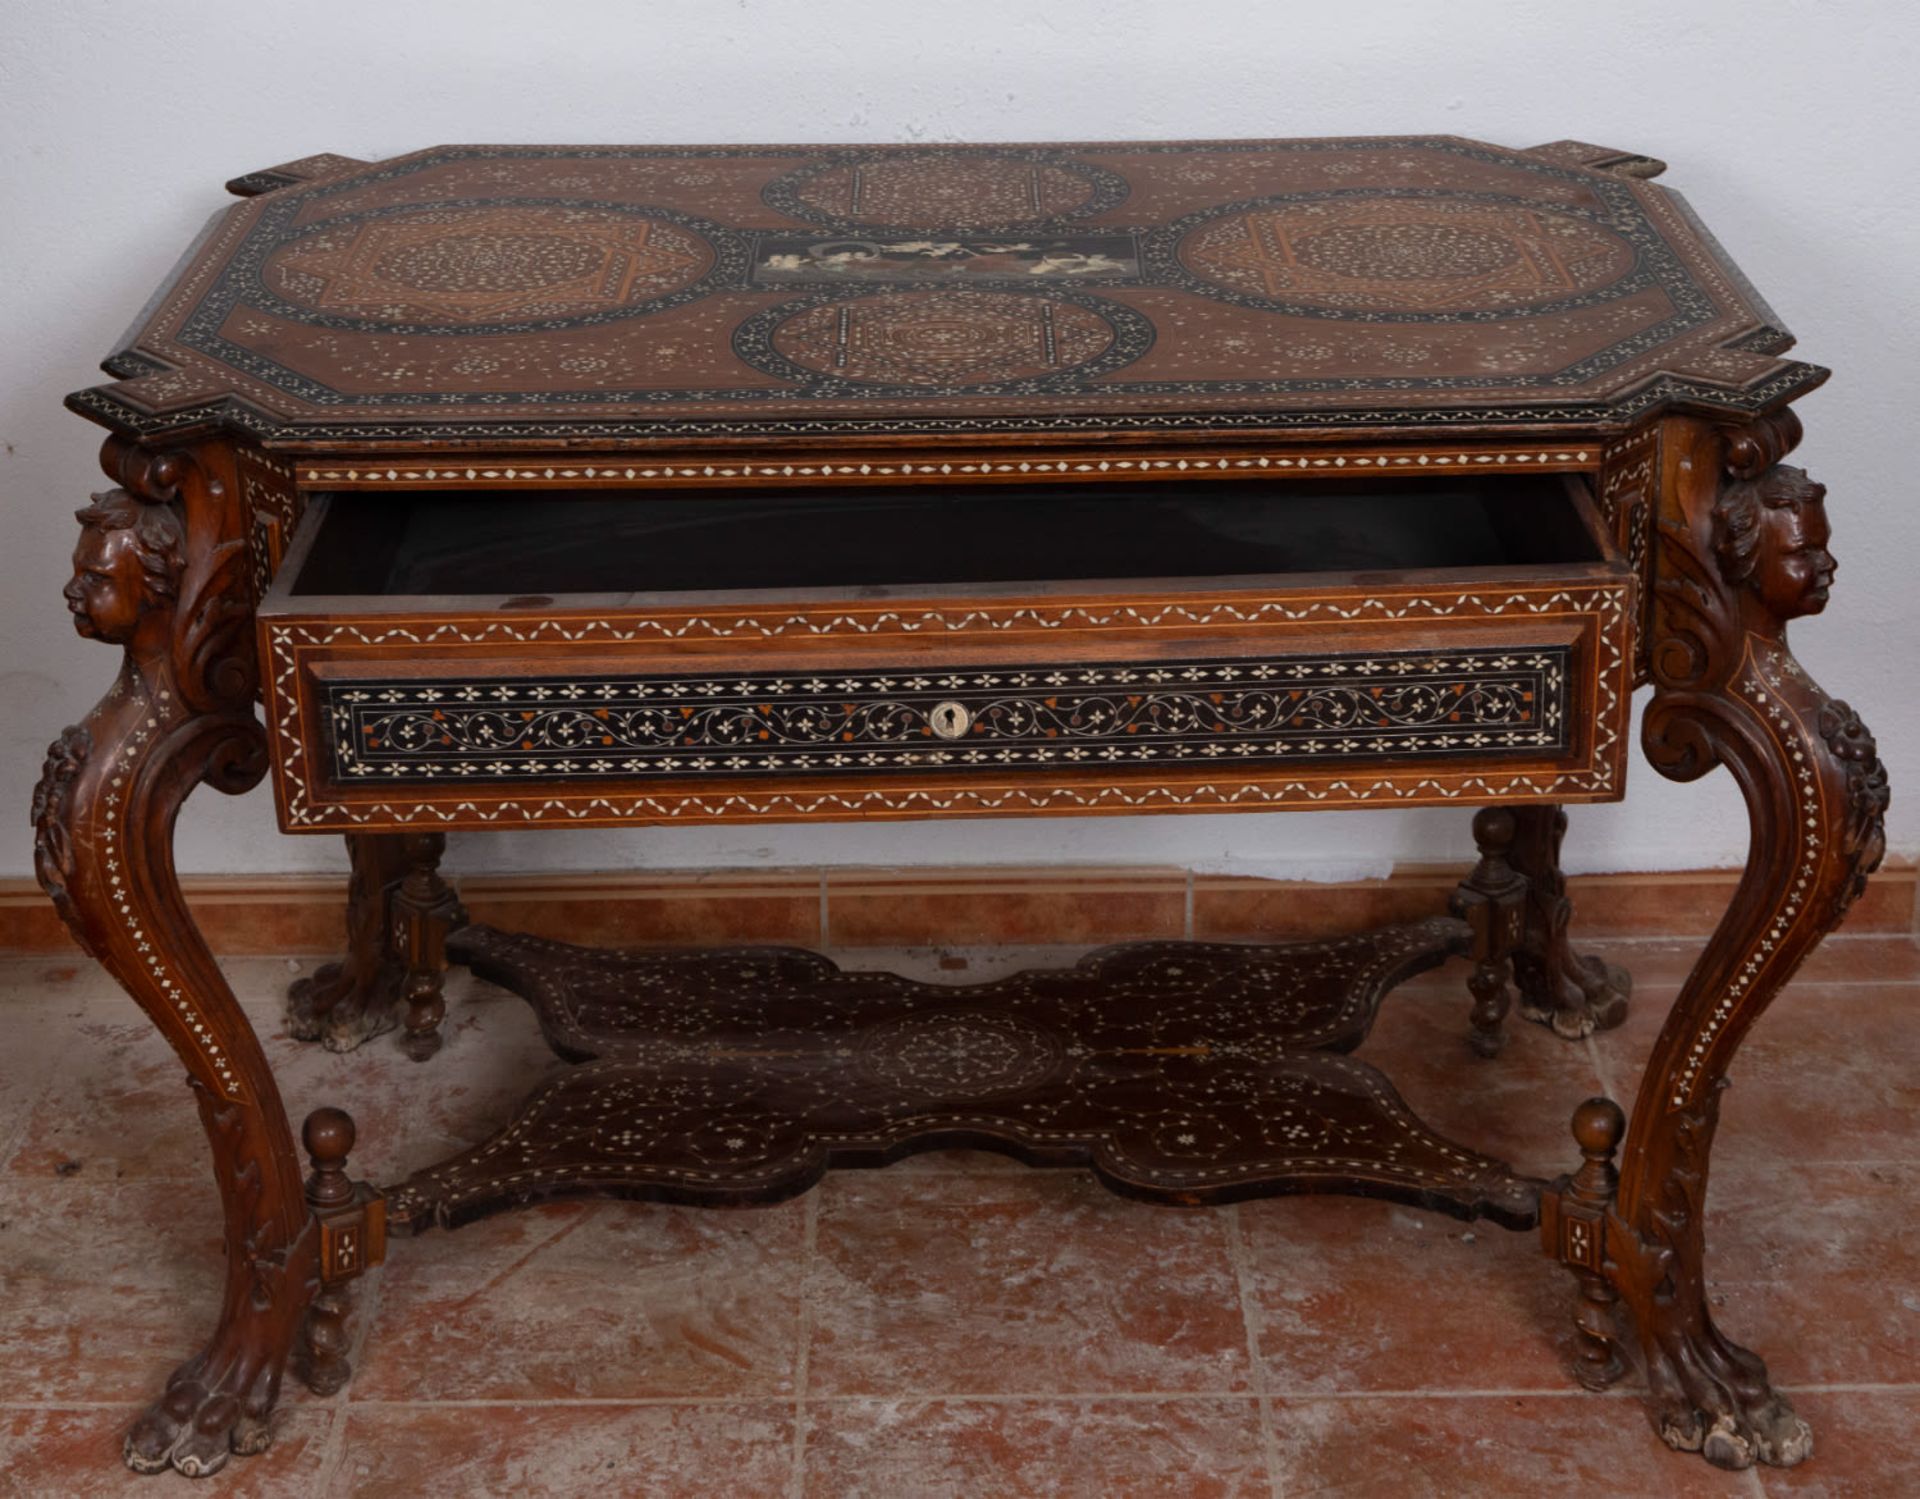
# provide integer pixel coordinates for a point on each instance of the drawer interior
(556, 542)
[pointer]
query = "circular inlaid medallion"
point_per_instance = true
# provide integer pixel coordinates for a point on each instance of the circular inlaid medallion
(958, 1054)
(452, 269)
(1418, 256)
(926, 341)
(947, 191)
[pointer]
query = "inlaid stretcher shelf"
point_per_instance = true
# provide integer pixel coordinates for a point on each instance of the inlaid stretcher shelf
(1180, 1072)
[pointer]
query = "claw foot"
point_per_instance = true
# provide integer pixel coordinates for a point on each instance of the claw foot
(203, 1417)
(1585, 995)
(1713, 1398)
(1773, 1435)
(340, 1008)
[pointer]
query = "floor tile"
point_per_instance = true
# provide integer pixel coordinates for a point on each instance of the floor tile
(1818, 1270)
(1515, 1106)
(1831, 1072)
(104, 1287)
(1198, 1448)
(1009, 1284)
(75, 1454)
(605, 1300)
(492, 1060)
(970, 1327)
(37, 1036)
(57, 982)
(1485, 1448)
(634, 1452)
(1369, 1296)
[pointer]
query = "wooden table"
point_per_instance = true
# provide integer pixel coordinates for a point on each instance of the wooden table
(559, 487)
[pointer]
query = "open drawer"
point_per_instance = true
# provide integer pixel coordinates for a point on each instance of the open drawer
(477, 659)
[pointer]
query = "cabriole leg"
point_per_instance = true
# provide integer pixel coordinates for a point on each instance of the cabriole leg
(1741, 549)
(161, 571)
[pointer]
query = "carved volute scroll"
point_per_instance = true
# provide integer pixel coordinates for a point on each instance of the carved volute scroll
(160, 570)
(1741, 549)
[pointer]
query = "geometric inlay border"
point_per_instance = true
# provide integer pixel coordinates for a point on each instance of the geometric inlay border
(1243, 711)
(308, 802)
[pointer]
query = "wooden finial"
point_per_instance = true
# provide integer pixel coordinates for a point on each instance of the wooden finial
(328, 1136)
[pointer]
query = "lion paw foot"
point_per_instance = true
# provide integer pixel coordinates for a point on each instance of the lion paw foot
(1587, 995)
(342, 1009)
(197, 1424)
(1770, 1433)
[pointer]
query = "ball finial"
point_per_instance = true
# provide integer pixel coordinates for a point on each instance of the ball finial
(328, 1136)
(1494, 827)
(1598, 1126)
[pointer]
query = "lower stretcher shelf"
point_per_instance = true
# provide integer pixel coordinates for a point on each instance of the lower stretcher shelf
(1180, 1072)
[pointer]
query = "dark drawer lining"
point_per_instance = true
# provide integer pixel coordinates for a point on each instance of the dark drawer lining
(557, 543)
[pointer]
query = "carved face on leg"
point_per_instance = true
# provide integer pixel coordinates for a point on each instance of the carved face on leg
(126, 566)
(1771, 535)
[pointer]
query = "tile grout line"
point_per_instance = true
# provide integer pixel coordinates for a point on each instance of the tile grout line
(809, 1245)
(1017, 1397)
(1256, 1364)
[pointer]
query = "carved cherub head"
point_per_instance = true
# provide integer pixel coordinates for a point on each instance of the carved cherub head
(1770, 534)
(126, 565)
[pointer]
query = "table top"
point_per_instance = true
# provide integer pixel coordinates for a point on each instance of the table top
(617, 296)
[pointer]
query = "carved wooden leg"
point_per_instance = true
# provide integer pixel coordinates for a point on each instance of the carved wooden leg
(425, 909)
(354, 1000)
(161, 571)
(1741, 549)
(1575, 994)
(1492, 900)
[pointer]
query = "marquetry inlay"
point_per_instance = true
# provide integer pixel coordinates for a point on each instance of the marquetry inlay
(1259, 710)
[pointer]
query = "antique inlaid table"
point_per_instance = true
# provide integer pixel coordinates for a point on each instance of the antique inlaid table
(556, 487)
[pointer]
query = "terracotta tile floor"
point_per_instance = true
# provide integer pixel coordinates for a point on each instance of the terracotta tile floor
(958, 1325)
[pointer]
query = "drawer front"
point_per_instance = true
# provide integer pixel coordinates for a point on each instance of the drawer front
(1387, 696)
(970, 719)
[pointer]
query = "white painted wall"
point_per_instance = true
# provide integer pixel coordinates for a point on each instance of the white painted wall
(1792, 128)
